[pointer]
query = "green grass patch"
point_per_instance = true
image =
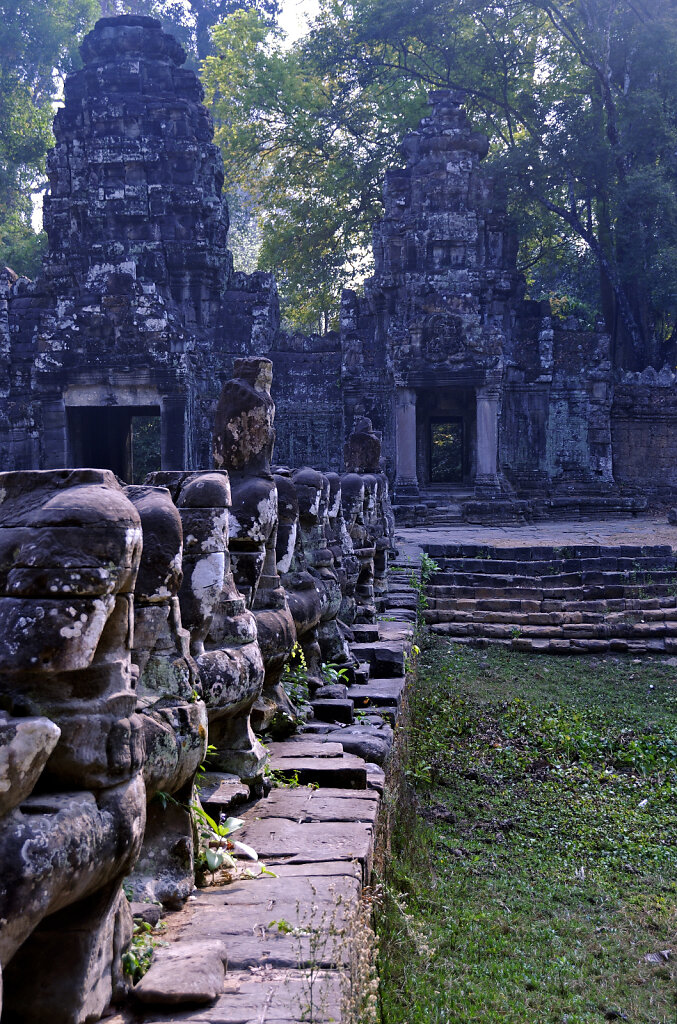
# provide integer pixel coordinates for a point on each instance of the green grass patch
(534, 858)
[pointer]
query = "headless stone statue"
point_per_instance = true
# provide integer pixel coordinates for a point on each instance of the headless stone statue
(306, 600)
(362, 455)
(346, 565)
(173, 716)
(355, 500)
(243, 445)
(222, 630)
(71, 747)
(312, 490)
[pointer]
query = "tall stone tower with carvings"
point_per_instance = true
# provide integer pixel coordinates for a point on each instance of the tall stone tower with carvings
(437, 316)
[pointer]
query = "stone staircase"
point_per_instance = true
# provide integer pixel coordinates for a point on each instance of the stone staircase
(444, 505)
(578, 599)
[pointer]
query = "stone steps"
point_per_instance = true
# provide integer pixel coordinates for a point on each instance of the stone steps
(555, 600)
(517, 618)
(549, 553)
(666, 646)
(585, 592)
(545, 566)
(649, 577)
(565, 630)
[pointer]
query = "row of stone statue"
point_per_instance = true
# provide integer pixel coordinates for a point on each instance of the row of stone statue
(138, 625)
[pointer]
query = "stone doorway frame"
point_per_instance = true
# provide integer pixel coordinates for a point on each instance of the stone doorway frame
(460, 422)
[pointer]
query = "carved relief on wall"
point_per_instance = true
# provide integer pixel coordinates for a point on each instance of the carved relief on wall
(443, 337)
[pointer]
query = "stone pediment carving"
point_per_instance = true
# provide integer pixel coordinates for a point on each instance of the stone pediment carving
(447, 337)
(443, 337)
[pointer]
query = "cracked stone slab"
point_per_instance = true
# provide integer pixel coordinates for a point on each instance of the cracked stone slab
(264, 995)
(300, 746)
(379, 692)
(184, 973)
(275, 838)
(395, 631)
(284, 921)
(386, 657)
(305, 805)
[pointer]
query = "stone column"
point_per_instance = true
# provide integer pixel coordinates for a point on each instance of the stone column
(486, 477)
(406, 481)
(173, 440)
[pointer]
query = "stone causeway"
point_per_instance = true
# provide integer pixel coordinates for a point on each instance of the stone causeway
(207, 610)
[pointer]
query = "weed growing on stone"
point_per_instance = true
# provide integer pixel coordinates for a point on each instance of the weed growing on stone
(359, 949)
(419, 581)
(295, 676)
(336, 956)
(216, 848)
(137, 959)
(532, 869)
(332, 673)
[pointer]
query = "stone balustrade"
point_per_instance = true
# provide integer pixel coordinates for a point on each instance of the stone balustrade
(138, 625)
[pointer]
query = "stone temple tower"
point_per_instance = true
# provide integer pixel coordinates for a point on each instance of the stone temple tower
(127, 323)
(436, 319)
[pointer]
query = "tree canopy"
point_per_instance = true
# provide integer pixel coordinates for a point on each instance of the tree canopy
(578, 97)
(38, 43)
(191, 21)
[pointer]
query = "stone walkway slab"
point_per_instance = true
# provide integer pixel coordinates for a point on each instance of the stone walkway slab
(345, 772)
(277, 838)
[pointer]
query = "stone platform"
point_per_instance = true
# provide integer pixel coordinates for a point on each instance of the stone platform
(262, 950)
(566, 588)
(650, 529)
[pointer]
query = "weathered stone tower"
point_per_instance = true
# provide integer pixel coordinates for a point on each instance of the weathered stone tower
(437, 316)
(127, 319)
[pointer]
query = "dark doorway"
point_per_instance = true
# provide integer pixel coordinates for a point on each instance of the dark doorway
(146, 440)
(124, 438)
(446, 450)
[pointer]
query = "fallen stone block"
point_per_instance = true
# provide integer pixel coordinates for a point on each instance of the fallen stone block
(189, 973)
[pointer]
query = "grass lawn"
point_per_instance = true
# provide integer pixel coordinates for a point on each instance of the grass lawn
(533, 869)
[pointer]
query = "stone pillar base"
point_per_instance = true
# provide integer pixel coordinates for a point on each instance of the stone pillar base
(487, 486)
(406, 492)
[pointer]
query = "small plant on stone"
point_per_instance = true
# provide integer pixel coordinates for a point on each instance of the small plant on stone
(137, 959)
(282, 780)
(216, 848)
(359, 978)
(336, 942)
(333, 673)
(202, 770)
(420, 582)
(314, 933)
(295, 676)
(410, 658)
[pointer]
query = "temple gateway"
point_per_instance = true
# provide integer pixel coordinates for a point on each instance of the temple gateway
(487, 404)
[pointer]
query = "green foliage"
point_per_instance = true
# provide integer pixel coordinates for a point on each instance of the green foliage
(38, 41)
(215, 847)
(138, 958)
(210, 828)
(145, 446)
(579, 102)
(295, 676)
(332, 673)
(533, 868)
(420, 580)
(202, 770)
(309, 150)
(192, 21)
